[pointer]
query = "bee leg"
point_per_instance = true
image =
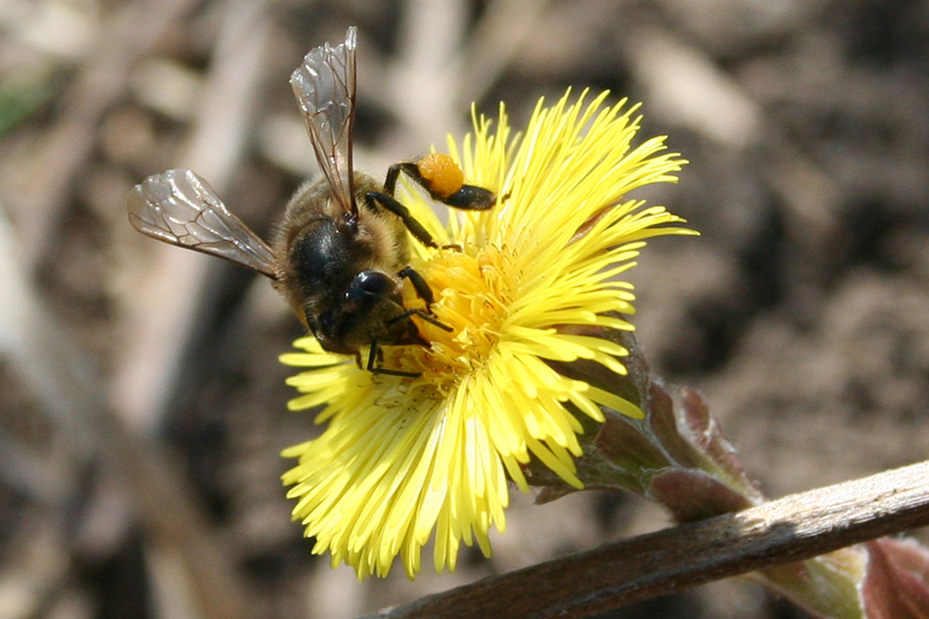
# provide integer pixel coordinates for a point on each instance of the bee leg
(425, 293)
(466, 197)
(374, 369)
(415, 228)
(393, 173)
(425, 316)
(471, 198)
(419, 284)
(373, 354)
(432, 320)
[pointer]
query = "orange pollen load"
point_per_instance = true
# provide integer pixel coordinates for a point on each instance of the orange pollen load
(442, 174)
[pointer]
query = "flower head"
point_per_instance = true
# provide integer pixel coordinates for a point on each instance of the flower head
(403, 457)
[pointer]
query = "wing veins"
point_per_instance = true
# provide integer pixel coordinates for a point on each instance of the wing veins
(324, 85)
(180, 208)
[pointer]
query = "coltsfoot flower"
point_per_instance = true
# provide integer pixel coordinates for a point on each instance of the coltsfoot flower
(404, 458)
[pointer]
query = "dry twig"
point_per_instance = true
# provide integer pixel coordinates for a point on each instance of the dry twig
(793, 528)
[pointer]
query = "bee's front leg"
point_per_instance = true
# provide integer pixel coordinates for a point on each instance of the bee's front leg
(374, 369)
(419, 284)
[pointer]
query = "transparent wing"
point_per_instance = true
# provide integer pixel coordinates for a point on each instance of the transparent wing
(180, 208)
(325, 89)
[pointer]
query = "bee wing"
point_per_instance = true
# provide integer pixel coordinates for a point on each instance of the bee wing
(325, 89)
(180, 208)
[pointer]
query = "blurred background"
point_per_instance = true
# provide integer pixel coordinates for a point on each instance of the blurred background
(142, 407)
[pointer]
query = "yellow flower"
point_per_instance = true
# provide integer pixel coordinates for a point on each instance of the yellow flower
(403, 457)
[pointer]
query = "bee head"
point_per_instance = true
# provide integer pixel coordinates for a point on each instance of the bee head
(370, 309)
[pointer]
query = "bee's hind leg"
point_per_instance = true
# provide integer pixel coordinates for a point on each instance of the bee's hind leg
(442, 178)
(393, 173)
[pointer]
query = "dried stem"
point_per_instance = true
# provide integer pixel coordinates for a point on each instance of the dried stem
(794, 528)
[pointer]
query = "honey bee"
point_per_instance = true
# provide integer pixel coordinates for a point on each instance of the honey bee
(340, 252)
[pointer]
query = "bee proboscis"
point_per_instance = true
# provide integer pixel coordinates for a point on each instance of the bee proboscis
(342, 248)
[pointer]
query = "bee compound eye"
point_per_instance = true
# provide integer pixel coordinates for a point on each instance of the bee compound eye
(369, 284)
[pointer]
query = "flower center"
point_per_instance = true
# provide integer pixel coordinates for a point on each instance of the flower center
(473, 290)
